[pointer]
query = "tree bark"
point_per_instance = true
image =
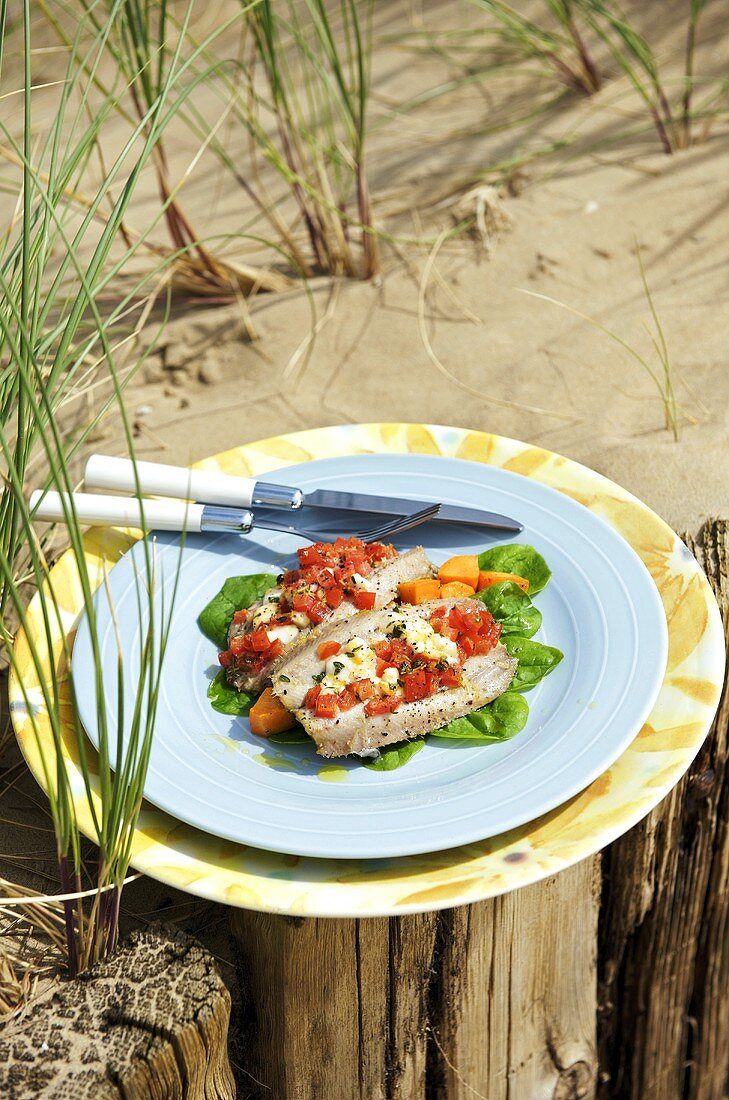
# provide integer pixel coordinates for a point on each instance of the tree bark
(150, 1023)
(495, 999)
(664, 929)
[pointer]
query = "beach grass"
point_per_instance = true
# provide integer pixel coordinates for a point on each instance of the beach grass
(59, 337)
(564, 41)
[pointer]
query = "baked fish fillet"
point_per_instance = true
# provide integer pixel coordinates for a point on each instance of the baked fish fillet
(484, 678)
(383, 581)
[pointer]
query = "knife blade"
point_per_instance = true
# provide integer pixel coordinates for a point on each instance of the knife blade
(332, 500)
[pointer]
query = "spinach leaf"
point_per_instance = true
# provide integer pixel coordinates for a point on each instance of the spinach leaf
(237, 592)
(394, 756)
(535, 660)
(226, 699)
(517, 558)
(497, 721)
(511, 607)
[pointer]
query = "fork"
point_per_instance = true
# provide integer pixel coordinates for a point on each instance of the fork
(99, 510)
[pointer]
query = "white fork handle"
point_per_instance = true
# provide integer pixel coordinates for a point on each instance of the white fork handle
(208, 486)
(108, 511)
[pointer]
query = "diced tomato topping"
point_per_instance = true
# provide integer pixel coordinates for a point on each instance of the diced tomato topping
(258, 640)
(326, 706)
(378, 552)
(275, 650)
(347, 698)
(327, 649)
(318, 612)
(334, 597)
(225, 658)
(240, 616)
(384, 705)
(364, 689)
(449, 677)
(315, 610)
(416, 685)
(302, 601)
(364, 601)
(238, 644)
(382, 649)
(381, 665)
(431, 679)
(311, 697)
(400, 651)
(310, 555)
(473, 628)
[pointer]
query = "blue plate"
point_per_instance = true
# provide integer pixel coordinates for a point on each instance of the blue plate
(601, 608)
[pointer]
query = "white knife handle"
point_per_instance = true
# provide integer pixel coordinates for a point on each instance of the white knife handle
(103, 511)
(207, 486)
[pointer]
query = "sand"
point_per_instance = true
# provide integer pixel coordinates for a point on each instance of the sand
(515, 365)
(449, 334)
(508, 363)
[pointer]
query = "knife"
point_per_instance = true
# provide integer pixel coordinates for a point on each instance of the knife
(214, 487)
(328, 500)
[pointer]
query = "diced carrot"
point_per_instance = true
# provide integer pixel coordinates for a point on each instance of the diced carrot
(456, 589)
(463, 568)
(327, 649)
(485, 580)
(426, 588)
(268, 715)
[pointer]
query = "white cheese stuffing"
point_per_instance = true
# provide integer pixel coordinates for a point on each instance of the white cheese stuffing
(268, 609)
(389, 681)
(423, 638)
(356, 661)
(300, 619)
(285, 633)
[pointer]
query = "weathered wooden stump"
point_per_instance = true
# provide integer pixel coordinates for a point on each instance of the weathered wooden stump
(494, 1000)
(151, 1023)
(500, 999)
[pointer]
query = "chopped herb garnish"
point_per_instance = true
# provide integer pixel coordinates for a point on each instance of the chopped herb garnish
(319, 676)
(338, 666)
(285, 679)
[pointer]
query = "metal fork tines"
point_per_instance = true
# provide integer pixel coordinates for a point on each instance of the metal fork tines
(400, 523)
(392, 527)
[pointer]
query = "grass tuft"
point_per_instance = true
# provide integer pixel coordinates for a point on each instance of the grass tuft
(660, 372)
(559, 43)
(58, 339)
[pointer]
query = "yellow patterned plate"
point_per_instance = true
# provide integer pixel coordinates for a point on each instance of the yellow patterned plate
(187, 858)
